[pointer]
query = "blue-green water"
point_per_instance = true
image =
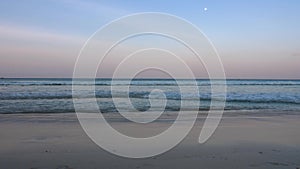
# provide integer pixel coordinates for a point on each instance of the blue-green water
(55, 95)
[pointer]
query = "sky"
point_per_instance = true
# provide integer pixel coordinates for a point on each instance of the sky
(254, 39)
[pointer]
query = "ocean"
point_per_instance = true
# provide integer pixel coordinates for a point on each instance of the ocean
(24, 95)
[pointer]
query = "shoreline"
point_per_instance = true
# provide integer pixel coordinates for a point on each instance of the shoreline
(246, 114)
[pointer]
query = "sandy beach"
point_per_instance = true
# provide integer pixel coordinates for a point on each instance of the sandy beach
(57, 141)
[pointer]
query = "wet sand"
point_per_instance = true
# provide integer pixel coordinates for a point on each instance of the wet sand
(57, 141)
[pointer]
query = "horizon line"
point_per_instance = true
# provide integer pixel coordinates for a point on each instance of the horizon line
(147, 78)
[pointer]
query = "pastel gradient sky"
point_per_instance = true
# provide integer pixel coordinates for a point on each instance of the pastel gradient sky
(255, 39)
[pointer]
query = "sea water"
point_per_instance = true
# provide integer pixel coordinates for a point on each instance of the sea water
(25, 95)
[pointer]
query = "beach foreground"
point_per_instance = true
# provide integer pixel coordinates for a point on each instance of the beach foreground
(38, 141)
